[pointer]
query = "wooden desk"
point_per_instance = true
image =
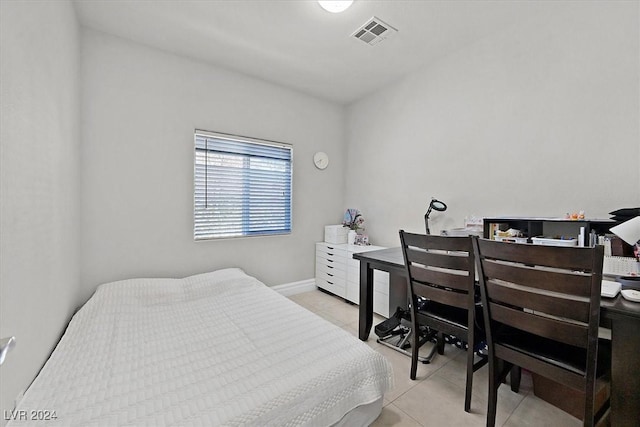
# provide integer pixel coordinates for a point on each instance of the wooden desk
(622, 316)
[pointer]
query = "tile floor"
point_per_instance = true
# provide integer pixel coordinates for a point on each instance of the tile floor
(436, 397)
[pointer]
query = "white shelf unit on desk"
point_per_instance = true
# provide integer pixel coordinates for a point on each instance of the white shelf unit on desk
(338, 273)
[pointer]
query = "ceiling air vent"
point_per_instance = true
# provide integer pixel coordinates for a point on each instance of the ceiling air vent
(374, 31)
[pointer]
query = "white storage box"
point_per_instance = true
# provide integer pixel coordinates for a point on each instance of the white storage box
(461, 232)
(335, 234)
(554, 242)
(511, 239)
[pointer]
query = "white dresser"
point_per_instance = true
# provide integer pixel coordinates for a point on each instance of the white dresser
(338, 273)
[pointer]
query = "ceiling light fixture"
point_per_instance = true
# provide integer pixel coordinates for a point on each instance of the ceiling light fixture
(335, 6)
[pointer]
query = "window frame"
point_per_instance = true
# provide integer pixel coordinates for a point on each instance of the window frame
(239, 139)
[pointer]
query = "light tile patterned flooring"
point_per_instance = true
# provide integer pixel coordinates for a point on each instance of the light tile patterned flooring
(436, 397)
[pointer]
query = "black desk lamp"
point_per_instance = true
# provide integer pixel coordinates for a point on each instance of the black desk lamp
(433, 205)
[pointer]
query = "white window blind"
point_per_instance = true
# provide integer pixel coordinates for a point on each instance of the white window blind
(242, 186)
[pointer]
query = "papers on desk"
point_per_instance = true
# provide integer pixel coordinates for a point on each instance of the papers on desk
(609, 289)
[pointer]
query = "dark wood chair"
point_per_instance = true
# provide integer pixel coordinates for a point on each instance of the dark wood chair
(442, 270)
(542, 309)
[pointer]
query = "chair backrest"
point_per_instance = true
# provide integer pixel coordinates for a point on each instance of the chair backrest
(440, 268)
(551, 292)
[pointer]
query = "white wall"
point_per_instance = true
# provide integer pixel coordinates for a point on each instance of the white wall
(40, 195)
(540, 119)
(140, 107)
(508, 126)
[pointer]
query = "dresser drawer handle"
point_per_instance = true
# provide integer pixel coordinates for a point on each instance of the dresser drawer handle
(329, 260)
(330, 266)
(331, 283)
(329, 253)
(329, 274)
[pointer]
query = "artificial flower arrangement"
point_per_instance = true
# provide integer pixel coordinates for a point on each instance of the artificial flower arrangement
(353, 219)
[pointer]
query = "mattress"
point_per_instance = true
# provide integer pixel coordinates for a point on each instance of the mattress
(219, 348)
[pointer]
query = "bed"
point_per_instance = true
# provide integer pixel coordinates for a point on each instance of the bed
(219, 348)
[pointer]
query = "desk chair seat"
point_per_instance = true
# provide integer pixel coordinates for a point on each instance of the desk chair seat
(442, 270)
(541, 309)
(565, 356)
(448, 315)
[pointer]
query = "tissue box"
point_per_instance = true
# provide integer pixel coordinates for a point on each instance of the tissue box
(335, 234)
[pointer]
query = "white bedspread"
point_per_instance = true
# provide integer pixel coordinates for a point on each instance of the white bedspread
(214, 349)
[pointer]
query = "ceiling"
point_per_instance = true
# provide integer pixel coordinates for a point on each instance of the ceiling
(297, 44)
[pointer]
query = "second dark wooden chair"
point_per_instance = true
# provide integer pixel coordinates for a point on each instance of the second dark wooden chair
(542, 309)
(442, 270)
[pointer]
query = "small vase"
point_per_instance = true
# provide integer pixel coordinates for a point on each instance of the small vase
(351, 237)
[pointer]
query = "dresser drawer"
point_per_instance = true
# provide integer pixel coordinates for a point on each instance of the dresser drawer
(353, 263)
(381, 287)
(331, 250)
(331, 259)
(331, 270)
(381, 304)
(381, 282)
(332, 264)
(328, 277)
(331, 286)
(381, 276)
(353, 274)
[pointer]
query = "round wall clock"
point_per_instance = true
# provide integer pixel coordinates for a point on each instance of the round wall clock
(321, 160)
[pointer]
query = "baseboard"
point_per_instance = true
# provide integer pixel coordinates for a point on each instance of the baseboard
(293, 288)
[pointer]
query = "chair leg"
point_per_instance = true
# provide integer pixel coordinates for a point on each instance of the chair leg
(494, 383)
(469, 386)
(589, 407)
(516, 373)
(415, 337)
(440, 343)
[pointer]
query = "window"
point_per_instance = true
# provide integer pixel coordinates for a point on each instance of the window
(242, 186)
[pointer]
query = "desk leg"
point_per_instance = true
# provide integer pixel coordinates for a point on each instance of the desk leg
(366, 300)
(625, 372)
